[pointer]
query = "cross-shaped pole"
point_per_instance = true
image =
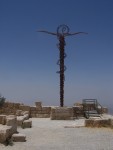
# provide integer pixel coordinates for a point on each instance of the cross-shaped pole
(62, 32)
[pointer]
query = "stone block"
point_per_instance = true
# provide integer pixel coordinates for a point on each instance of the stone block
(16, 105)
(25, 113)
(97, 123)
(46, 109)
(38, 112)
(26, 116)
(38, 104)
(11, 120)
(33, 115)
(27, 124)
(42, 115)
(20, 120)
(13, 111)
(24, 108)
(3, 119)
(19, 113)
(78, 111)
(5, 133)
(61, 113)
(10, 105)
(39, 108)
(33, 112)
(19, 137)
(33, 108)
(78, 104)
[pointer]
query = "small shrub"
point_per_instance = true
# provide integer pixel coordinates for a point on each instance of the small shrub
(2, 100)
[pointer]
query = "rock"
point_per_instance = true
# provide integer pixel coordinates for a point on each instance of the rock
(20, 120)
(33, 108)
(5, 133)
(97, 122)
(25, 112)
(24, 108)
(46, 110)
(78, 111)
(3, 119)
(11, 120)
(33, 115)
(26, 116)
(18, 112)
(19, 137)
(38, 105)
(27, 124)
(42, 115)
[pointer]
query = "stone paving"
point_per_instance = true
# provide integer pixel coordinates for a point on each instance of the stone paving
(47, 134)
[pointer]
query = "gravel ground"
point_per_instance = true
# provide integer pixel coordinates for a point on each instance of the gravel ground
(47, 134)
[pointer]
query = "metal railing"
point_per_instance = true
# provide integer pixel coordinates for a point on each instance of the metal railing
(91, 107)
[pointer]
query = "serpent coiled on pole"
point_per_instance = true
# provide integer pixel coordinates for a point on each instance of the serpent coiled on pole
(62, 32)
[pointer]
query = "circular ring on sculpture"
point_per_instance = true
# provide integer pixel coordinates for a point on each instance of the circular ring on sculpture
(62, 30)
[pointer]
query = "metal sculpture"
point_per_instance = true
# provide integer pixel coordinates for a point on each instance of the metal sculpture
(62, 32)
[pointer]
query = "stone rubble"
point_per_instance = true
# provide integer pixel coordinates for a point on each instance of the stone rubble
(13, 115)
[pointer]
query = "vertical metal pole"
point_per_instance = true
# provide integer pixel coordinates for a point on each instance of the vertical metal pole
(61, 47)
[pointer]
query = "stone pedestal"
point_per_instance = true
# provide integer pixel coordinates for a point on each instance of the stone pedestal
(61, 113)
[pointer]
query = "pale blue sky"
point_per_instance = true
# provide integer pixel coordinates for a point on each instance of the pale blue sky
(28, 58)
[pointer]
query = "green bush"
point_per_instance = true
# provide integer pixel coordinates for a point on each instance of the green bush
(2, 100)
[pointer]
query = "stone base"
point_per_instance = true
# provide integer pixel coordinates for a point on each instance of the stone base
(61, 113)
(18, 137)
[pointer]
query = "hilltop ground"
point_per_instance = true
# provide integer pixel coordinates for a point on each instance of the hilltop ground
(47, 134)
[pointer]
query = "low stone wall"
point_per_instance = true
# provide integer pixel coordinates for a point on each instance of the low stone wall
(105, 121)
(9, 108)
(39, 111)
(98, 123)
(18, 109)
(78, 111)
